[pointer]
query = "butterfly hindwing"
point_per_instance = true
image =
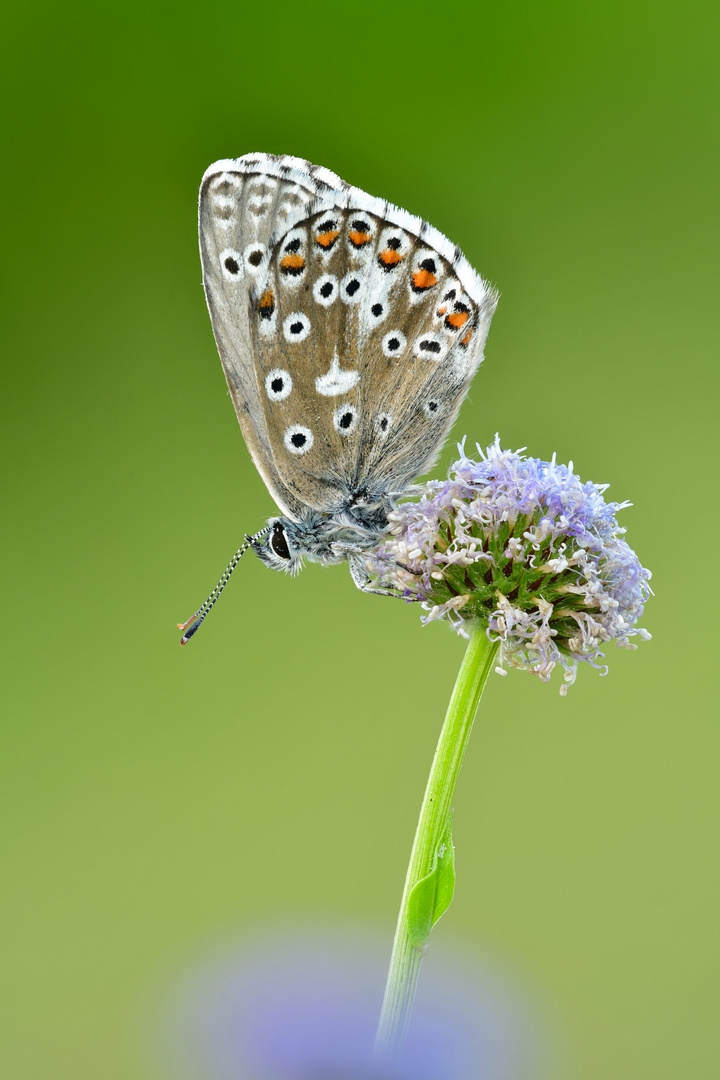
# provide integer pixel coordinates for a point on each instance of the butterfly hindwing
(365, 340)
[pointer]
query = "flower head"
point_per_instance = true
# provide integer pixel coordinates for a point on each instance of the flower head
(523, 548)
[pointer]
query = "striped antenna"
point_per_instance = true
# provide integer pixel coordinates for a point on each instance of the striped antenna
(195, 621)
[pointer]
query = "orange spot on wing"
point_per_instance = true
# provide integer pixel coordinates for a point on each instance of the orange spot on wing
(423, 279)
(358, 238)
(441, 311)
(390, 257)
(292, 262)
(466, 340)
(327, 239)
(457, 319)
(266, 304)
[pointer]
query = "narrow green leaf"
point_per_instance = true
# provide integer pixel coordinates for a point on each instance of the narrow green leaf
(431, 896)
(420, 910)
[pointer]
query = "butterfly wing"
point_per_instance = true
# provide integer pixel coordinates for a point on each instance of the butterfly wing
(349, 330)
(368, 327)
(242, 202)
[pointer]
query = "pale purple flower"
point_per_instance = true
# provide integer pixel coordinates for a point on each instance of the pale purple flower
(525, 549)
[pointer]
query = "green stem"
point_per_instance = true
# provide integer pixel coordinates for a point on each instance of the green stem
(431, 836)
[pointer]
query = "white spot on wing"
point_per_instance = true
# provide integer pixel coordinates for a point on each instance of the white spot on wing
(430, 347)
(432, 408)
(351, 287)
(296, 327)
(395, 240)
(393, 343)
(278, 384)
(336, 381)
(376, 313)
(268, 326)
(298, 439)
(231, 262)
(325, 290)
(383, 423)
(253, 256)
(345, 419)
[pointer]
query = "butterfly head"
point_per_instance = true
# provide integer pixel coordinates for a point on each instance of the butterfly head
(279, 548)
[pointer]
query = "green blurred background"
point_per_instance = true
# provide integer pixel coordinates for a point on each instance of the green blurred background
(157, 799)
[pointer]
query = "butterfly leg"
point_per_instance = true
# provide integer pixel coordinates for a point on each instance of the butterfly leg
(361, 577)
(409, 569)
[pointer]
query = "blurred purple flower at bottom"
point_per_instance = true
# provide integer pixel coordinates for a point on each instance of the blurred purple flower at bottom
(304, 1006)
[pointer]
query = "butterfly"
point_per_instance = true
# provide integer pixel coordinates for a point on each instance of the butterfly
(349, 331)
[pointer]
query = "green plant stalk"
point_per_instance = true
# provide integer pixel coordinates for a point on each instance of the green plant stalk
(430, 876)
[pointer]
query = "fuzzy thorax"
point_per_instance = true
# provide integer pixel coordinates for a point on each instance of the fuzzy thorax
(523, 548)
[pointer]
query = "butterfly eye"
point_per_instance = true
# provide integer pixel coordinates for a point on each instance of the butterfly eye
(278, 541)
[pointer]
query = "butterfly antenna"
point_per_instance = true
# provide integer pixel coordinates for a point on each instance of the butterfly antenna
(195, 621)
